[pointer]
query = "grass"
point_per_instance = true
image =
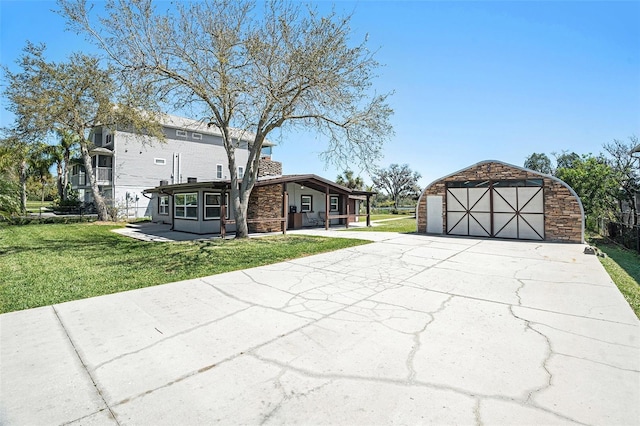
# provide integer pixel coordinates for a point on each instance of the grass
(623, 266)
(45, 264)
(382, 216)
(34, 206)
(404, 226)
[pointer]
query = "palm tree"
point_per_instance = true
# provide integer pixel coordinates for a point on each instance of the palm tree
(61, 156)
(14, 152)
(347, 179)
(39, 164)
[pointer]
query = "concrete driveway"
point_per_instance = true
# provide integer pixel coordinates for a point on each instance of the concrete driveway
(410, 329)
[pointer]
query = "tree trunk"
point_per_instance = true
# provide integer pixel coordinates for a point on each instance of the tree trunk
(59, 182)
(43, 182)
(241, 191)
(23, 187)
(242, 228)
(240, 200)
(65, 175)
(98, 200)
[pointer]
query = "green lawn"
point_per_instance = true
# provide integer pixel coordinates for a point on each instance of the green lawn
(623, 266)
(407, 225)
(46, 264)
(383, 216)
(34, 206)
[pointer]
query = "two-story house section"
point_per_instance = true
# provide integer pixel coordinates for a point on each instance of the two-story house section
(125, 164)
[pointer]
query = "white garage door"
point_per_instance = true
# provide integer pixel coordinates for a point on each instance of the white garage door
(501, 209)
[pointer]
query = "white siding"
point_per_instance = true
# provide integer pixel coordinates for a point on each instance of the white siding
(136, 168)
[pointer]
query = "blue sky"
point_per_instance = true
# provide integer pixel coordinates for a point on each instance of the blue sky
(472, 80)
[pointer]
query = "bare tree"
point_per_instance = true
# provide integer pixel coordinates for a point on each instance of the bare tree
(625, 171)
(236, 66)
(74, 97)
(397, 181)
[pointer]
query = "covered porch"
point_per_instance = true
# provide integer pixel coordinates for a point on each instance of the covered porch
(277, 204)
(312, 201)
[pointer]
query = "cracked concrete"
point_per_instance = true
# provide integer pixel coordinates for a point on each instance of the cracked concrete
(408, 329)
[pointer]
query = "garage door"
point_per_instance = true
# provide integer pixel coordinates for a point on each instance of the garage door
(501, 209)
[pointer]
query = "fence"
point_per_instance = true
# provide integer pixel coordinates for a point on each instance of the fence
(388, 210)
(622, 231)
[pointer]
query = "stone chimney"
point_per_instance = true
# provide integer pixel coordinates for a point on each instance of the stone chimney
(267, 167)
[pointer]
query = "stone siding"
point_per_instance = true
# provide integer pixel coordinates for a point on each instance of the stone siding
(562, 215)
(265, 202)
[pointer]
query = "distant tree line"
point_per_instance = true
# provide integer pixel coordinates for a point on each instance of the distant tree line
(396, 185)
(607, 183)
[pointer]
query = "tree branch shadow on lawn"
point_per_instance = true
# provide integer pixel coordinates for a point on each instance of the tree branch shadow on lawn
(627, 259)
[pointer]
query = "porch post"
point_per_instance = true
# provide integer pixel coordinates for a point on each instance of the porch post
(326, 208)
(368, 210)
(285, 203)
(223, 218)
(346, 223)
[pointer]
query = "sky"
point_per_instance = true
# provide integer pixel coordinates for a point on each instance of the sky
(471, 81)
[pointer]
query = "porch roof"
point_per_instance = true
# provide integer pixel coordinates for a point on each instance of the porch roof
(309, 180)
(314, 182)
(181, 187)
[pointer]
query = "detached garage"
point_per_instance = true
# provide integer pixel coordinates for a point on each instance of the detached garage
(498, 200)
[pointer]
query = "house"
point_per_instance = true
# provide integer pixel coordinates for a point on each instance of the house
(278, 202)
(499, 200)
(125, 164)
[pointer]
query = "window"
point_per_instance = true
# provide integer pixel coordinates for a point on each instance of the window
(240, 172)
(333, 203)
(104, 161)
(219, 171)
(306, 203)
(109, 139)
(197, 136)
(212, 205)
(186, 205)
(163, 204)
(181, 133)
(159, 161)
(523, 182)
(469, 184)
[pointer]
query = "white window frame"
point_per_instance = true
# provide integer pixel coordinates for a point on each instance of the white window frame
(219, 171)
(240, 172)
(185, 205)
(181, 133)
(160, 161)
(334, 199)
(226, 203)
(197, 136)
(163, 208)
(303, 203)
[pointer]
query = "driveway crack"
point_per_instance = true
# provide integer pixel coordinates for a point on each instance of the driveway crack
(417, 343)
(476, 412)
(548, 356)
(84, 365)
